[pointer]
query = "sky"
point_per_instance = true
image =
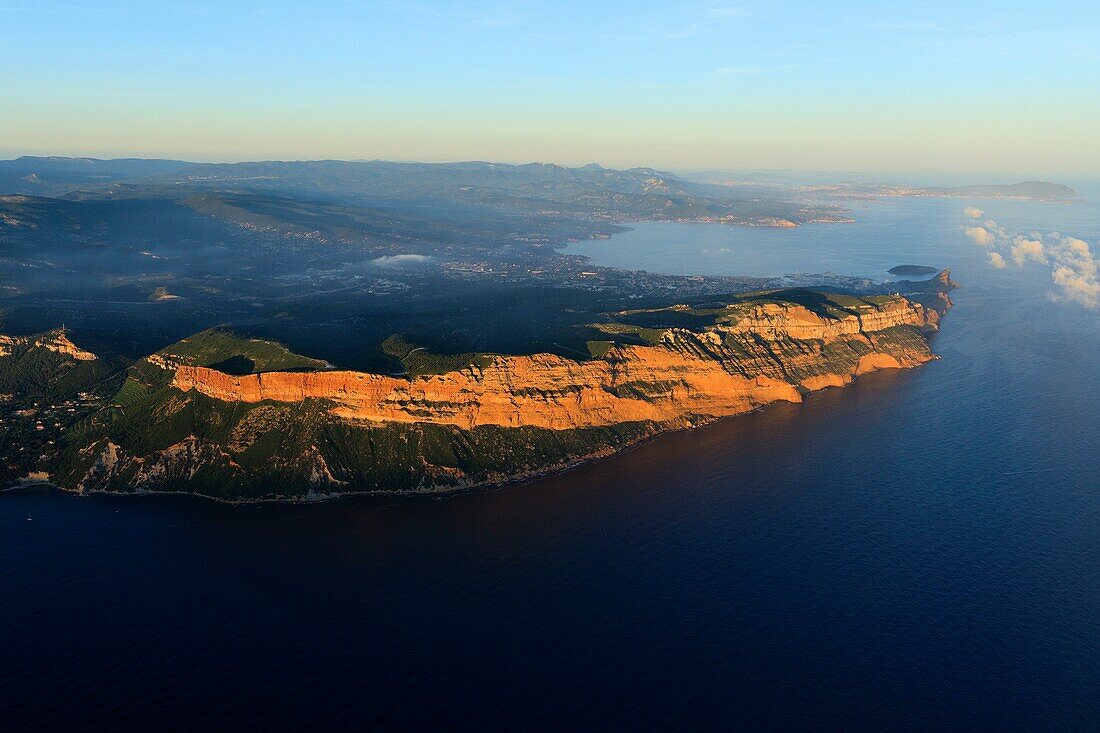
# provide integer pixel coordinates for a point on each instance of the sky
(1008, 88)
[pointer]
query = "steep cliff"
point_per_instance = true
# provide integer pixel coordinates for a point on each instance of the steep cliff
(771, 352)
(180, 424)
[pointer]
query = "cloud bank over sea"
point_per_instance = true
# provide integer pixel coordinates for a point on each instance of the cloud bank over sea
(1074, 268)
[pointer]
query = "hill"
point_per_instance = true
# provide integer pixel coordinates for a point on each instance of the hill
(542, 188)
(184, 421)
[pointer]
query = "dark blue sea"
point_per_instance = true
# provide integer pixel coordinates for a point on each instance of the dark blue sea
(921, 550)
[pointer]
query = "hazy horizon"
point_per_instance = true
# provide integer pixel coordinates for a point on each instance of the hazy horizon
(801, 176)
(998, 87)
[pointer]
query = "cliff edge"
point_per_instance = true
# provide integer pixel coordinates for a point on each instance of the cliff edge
(181, 423)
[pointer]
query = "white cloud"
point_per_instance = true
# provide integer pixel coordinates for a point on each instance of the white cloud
(999, 232)
(1024, 249)
(973, 213)
(980, 235)
(398, 260)
(1077, 246)
(1076, 272)
(1074, 269)
(1077, 287)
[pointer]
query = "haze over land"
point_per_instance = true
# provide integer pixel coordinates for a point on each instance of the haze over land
(443, 337)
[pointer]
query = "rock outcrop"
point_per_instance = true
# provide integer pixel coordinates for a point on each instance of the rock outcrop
(55, 341)
(179, 424)
(766, 353)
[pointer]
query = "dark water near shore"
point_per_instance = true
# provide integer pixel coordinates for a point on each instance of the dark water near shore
(921, 549)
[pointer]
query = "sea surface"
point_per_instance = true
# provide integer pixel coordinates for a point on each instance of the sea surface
(919, 550)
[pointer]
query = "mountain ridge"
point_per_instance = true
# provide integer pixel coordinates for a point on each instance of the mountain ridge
(297, 435)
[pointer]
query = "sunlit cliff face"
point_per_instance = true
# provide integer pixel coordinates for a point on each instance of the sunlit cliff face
(176, 425)
(771, 353)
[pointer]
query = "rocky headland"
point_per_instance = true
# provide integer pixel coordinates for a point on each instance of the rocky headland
(298, 429)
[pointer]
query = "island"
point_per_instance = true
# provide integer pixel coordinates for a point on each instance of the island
(911, 270)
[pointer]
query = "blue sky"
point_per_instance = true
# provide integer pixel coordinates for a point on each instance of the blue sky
(1009, 87)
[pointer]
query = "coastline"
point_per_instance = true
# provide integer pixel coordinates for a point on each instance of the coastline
(458, 489)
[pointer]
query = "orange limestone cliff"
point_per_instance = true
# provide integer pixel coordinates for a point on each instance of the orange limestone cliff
(757, 354)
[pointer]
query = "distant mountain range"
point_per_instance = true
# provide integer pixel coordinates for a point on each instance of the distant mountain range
(587, 191)
(1038, 190)
(844, 187)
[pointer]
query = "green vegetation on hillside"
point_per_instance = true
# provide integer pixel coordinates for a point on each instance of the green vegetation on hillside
(193, 443)
(598, 349)
(32, 372)
(153, 436)
(42, 392)
(651, 336)
(222, 349)
(419, 360)
(647, 322)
